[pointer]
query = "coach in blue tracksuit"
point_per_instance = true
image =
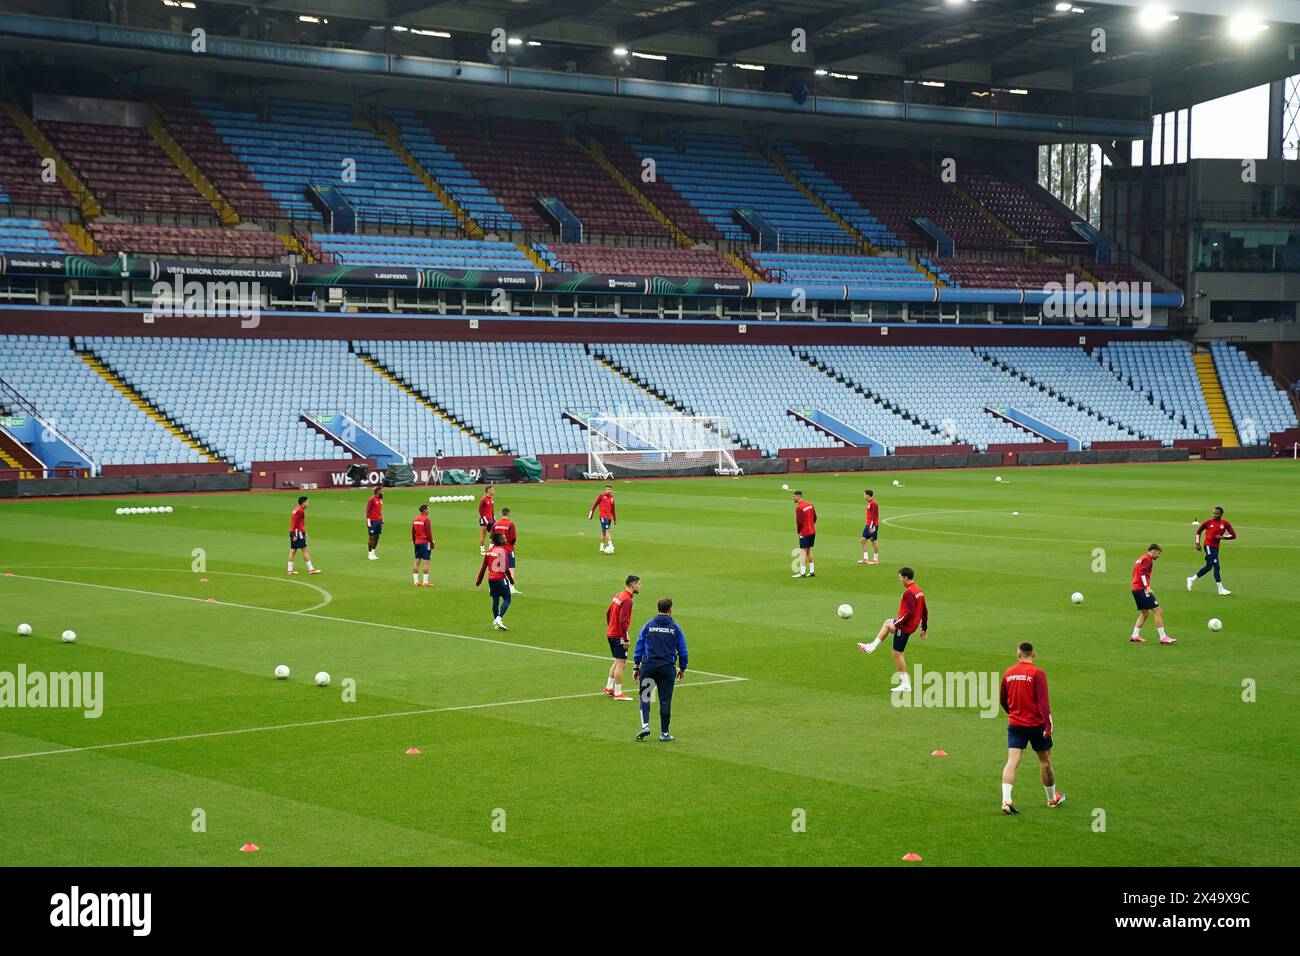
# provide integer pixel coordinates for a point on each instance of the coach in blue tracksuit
(659, 660)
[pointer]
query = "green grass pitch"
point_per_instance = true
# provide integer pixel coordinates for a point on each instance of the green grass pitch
(1156, 743)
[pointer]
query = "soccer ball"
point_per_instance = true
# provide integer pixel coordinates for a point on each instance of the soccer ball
(1077, 597)
(120, 511)
(24, 630)
(1216, 624)
(282, 672)
(785, 487)
(895, 482)
(69, 637)
(845, 612)
(322, 679)
(610, 549)
(168, 509)
(998, 478)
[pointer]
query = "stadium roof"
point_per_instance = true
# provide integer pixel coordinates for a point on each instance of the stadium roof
(1042, 44)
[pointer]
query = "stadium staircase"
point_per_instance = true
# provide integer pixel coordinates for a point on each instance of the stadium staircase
(90, 206)
(292, 243)
(401, 384)
(593, 149)
(206, 188)
(862, 390)
(745, 268)
(84, 240)
(773, 156)
(1215, 400)
(534, 257)
(1056, 393)
(104, 371)
(393, 136)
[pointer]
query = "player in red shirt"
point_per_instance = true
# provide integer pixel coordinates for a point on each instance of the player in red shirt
(298, 536)
(618, 617)
(374, 522)
(486, 516)
(1146, 599)
(1029, 723)
(870, 529)
(805, 525)
(912, 614)
(608, 516)
(496, 565)
(506, 528)
(1216, 530)
(422, 539)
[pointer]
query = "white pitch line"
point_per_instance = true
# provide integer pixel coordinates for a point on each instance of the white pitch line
(333, 720)
(342, 620)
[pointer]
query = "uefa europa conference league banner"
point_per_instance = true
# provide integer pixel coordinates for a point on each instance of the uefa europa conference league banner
(57, 265)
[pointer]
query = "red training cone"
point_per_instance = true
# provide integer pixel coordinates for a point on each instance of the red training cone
(912, 858)
(939, 753)
(249, 848)
(413, 752)
(212, 600)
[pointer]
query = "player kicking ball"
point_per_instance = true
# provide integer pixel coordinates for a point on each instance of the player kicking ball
(1216, 531)
(1029, 724)
(1145, 598)
(912, 611)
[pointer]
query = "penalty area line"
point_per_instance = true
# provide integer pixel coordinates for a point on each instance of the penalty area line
(344, 620)
(333, 720)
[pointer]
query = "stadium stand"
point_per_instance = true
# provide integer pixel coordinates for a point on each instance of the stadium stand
(718, 174)
(834, 195)
(519, 407)
(655, 188)
(948, 388)
(243, 243)
(1018, 206)
(623, 260)
(243, 397)
(702, 380)
(519, 161)
(86, 407)
(813, 267)
(1000, 273)
(1164, 373)
(295, 145)
(21, 181)
(354, 249)
(1258, 406)
(126, 169)
(32, 235)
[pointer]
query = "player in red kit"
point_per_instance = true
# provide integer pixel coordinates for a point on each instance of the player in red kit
(1029, 723)
(506, 528)
(1146, 599)
(618, 617)
(1216, 531)
(871, 529)
(604, 504)
(375, 522)
(298, 536)
(487, 517)
(805, 525)
(496, 565)
(422, 539)
(912, 613)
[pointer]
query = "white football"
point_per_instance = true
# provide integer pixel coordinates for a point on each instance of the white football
(895, 482)
(845, 611)
(168, 509)
(785, 487)
(120, 511)
(24, 630)
(1077, 597)
(282, 672)
(1216, 624)
(610, 549)
(998, 478)
(322, 679)
(69, 637)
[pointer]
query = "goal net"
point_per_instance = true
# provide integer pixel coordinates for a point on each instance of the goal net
(660, 444)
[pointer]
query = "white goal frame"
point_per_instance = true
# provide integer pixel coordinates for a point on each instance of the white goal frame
(659, 444)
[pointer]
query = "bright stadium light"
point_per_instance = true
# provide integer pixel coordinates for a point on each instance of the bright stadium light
(515, 41)
(308, 18)
(1063, 7)
(534, 42)
(820, 72)
(1018, 92)
(620, 51)
(1155, 16)
(936, 83)
(1245, 26)
(756, 67)
(844, 76)
(649, 56)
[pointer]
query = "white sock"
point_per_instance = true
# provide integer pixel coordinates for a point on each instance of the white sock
(618, 690)
(308, 565)
(1006, 793)
(1137, 632)
(415, 578)
(812, 567)
(1051, 791)
(1160, 631)
(426, 577)
(609, 683)
(290, 565)
(874, 644)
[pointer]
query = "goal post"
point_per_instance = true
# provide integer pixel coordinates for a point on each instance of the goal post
(620, 445)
